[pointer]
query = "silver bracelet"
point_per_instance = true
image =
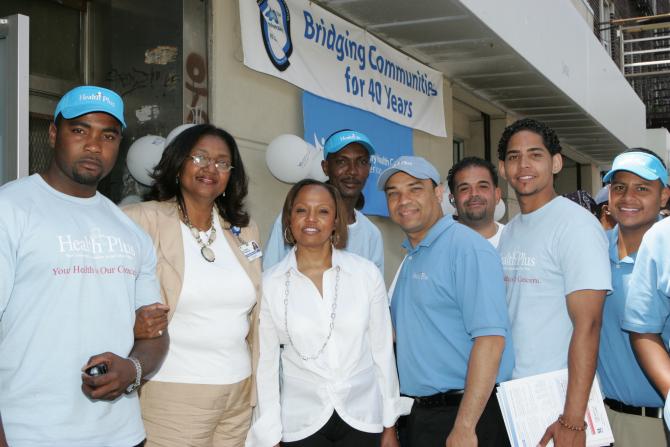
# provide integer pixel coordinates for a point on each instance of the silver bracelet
(138, 375)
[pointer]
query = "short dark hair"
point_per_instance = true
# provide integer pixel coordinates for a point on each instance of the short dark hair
(164, 187)
(340, 211)
(469, 162)
(549, 137)
(645, 151)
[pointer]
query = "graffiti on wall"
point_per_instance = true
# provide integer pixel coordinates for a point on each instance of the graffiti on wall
(196, 83)
(134, 79)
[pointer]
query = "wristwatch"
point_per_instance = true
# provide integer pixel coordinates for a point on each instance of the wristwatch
(138, 375)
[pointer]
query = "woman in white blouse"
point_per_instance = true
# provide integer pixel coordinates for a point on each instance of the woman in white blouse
(325, 316)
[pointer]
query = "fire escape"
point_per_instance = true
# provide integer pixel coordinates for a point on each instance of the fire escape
(641, 48)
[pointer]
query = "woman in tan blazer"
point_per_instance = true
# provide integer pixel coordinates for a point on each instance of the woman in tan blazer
(210, 274)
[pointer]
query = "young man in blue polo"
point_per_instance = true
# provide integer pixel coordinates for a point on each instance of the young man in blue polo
(346, 162)
(647, 305)
(449, 315)
(638, 189)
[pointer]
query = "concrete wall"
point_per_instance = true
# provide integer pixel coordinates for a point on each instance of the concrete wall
(584, 10)
(586, 73)
(256, 108)
(591, 180)
(658, 140)
(566, 180)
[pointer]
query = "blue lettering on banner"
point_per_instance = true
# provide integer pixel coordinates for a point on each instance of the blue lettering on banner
(328, 37)
(376, 86)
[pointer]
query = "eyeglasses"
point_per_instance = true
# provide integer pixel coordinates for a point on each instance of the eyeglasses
(202, 161)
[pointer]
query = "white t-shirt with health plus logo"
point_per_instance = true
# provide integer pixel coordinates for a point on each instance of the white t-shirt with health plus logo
(546, 255)
(72, 273)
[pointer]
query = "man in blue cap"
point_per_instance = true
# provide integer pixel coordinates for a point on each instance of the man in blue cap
(639, 302)
(449, 315)
(73, 270)
(346, 162)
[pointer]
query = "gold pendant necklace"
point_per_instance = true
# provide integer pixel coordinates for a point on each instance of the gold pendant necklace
(205, 250)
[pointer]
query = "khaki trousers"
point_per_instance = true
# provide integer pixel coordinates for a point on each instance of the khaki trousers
(636, 431)
(181, 415)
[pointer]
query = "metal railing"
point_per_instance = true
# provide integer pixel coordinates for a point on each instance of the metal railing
(644, 45)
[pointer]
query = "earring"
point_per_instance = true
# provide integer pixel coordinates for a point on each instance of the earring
(224, 194)
(335, 238)
(288, 236)
(176, 180)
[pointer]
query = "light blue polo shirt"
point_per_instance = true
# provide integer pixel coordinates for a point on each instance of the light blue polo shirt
(449, 291)
(364, 239)
(547, 254)
(647, 304)
(621, 377)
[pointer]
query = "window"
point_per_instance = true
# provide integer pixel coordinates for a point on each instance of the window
(152, 52)
(606, 14)
(459, 150)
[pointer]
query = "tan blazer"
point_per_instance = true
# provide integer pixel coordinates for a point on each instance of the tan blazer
(161, 221)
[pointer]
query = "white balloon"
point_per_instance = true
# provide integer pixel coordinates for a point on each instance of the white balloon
(500, 210)
(288, 158)
(143, 155)
(315, 169)
(447, 207)
(176, 131)
(129, 200)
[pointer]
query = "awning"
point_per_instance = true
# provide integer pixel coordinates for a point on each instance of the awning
(536, 58)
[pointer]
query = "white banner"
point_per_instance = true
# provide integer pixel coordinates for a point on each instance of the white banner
(304, 44)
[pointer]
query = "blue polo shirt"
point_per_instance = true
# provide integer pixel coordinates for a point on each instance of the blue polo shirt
(647, 303)
(621, 377)
(449, 291)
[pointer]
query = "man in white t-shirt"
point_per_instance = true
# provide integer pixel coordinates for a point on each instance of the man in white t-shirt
(556, 270)
(473, 183)
(73, 271)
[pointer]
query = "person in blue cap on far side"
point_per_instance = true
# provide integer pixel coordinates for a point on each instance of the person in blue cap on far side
(73, 271)
(637, 190)
(449, 314)
(346, 163)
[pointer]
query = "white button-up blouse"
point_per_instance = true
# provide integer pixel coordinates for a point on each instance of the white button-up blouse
(355, 374)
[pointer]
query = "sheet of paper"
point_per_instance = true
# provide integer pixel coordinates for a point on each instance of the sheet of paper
(531, 404)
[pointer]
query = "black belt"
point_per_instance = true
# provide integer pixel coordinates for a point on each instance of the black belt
(451, 398)
(650, 412)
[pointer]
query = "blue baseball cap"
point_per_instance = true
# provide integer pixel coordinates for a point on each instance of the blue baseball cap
(641, 164)
(87, 99)
(417, 167)
(337, 141)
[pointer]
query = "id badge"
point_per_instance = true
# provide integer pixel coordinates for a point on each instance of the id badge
(251, 250)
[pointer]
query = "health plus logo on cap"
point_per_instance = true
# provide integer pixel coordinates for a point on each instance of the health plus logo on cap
(342, 138)
(417, 167)
(88, 99)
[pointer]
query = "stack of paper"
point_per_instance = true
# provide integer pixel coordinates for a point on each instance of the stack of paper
(531, 404)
